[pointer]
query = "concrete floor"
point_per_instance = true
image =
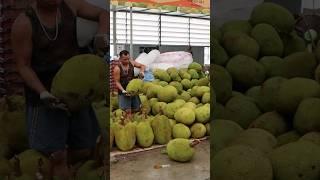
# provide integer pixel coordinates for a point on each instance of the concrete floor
(141, 166)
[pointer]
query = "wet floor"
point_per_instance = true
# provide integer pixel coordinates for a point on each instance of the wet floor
(141, 166)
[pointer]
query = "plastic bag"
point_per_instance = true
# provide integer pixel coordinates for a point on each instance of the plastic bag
(177, 57)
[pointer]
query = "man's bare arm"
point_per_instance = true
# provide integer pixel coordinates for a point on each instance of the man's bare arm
(116, 76)
(138, 65)
(21, 42)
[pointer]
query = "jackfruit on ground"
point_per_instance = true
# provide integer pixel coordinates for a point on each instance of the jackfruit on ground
(272, 65)
(125, 135)
(241, 110)
(181, 131)
(268, 39)
(194, 74)
(163, 83)
(293, 91)
(307, 116)
(293, 44)
(144, 133)
(236, 43)
(246, 71)
(300, 64)
(162, 75)
(170, 109)
(186, 83)
(271, 13)
(158, 107)
(313, 137)
(162, 129)
(256, 138)
(185, 115)
(203, 113)
(194, 100)
(288, 137)
(184, 95)
(175, 76)
(172, 122)
(205, 98)
(180, 150)
(194, 82)
(190, 105)
(236, 25)
(221, 83)
(152, 101)
(220, 56)
(145, 87)
(172, 70)
(201, 90)
(179, 102)
(196, 66)
(185, 75)
(153, 91)
(241, 163)
(177, 85)
(80, 81)
(134, 86)
(167, 94)
(224, 132)
(272, 122)
(296, 161)
(255, 94)
(198, 130)
(203, 82)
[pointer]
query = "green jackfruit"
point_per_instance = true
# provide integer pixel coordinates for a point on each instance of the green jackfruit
(185, 75)
(194, 82)
(153, 91)
(144, 134)
(186, 83)
(296, 161)
(206, 98)
(293, 91)
(272, 65)
(311, 137)
(288, 137)
(220, 56)
(203, 82)
(185, 96)
(222, 83)
(246, 71)
(158, 107)
(196, 66)
(237, 43)
(145, 87)
(134, 86)
(198, 130)
(255, 94)
(272, 122)
(175, 76)
(172, 70)
(306, 118)
(180, 150)
(172, 122)
(181, 131)
(241, 110)
(167, 94)
(152, 101)
(194, 74)
(208, 129)
(193, 91)
(241, 163)
(125, 135)
(162, 75)
(256, 138)
(163, 83)
(80, 81)
(271, 13)
(162, 129)
(179, 102)
(203, 113)
(177, 85)
(236, 25)
(190, 105)
(194, 100)
(293, 44)
(170, 109)
(201, 90)
(185, 115)
(268, 39)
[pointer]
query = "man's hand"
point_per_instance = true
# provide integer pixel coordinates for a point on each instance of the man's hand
(141, 75)
(52, 102)
(125, 93)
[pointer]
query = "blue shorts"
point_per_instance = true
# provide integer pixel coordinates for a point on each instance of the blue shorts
(129, 102)
(52, 130)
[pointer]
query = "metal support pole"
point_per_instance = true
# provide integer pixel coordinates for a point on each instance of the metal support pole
(131, 35)
(114, 31)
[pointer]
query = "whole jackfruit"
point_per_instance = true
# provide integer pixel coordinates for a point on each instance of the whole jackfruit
(272, 65)
(163, 83)
(241, 110)
(205, 98)
(288, 137)
(167, 94)
(153, 91)
(177, 85)
(293, 44)
(179, 102)
(311, 137)
(237, 43)
(196, 66)
(194, 100)
(306, 118)
(271, 13)
(221, 83)
(194, 74)
(186, 83)
(293, 91)
(152, 101)
(80, 81)
(185, 115)
(241, 163)
(194, 82)
(190, 105)
(162, 75)
(201, 90)
(125, 135)
(208, 129)
(184, 95)
(134, 86)
(172, 70)
(170, 109)
(162, 129)
(203, 113)
(246, 71)
(198, 130)
(144, 134)
(180, 150)
(145, 87)
(296, 161)
(203, 82)
(255, 94)
(181, 131)
(158, 107)
(268, 39)
(185, 75)
(175, 76)
(272, 122)
(220, 56)
(237, 25)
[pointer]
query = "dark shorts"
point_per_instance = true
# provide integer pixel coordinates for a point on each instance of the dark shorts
(53, 130)
(129, 102)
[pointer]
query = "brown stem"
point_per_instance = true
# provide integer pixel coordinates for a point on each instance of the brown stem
(194, 143)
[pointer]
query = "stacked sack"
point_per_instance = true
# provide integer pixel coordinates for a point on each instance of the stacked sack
(266, 119)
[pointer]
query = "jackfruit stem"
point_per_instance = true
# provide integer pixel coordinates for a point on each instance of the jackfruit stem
(194, 143)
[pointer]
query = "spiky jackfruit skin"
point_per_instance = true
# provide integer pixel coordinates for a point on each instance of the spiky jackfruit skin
(205, 98)
(221, 83)
(162, 129)
(196, 66)
(292, 44)
(300, 64)
(268, 39)
(162, 75)
(246, 71)
(153, 91)
(170, 109)
(293, 91)
(172, 70)
(158, 107)
(144, 133)
(277, 16)
(241, 110)
(181, 131)
(237, 25)
(190, 105)
(198, 130)
(203, 113)
(180, 150)
(185, 115)
(220, 56)
(255, 94)
(241, 163)
(237, 43)
(272, 122)
(297, 161)
(306, 118)
(193, 73)
(167, 94)
(80, 81)
(125, 135)
(288, 137)
(134, 86)
(313, 137)
(203, 82)
(177, 85)
(272, 65)
(175, 76)
(186, 83)
(184, 95)
(194, 100)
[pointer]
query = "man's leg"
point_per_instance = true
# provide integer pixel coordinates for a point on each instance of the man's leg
(47, 132)
(125, 105)
(136, 103)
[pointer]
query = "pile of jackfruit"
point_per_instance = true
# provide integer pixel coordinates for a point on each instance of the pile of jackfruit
(175, 106)
(266, 116)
